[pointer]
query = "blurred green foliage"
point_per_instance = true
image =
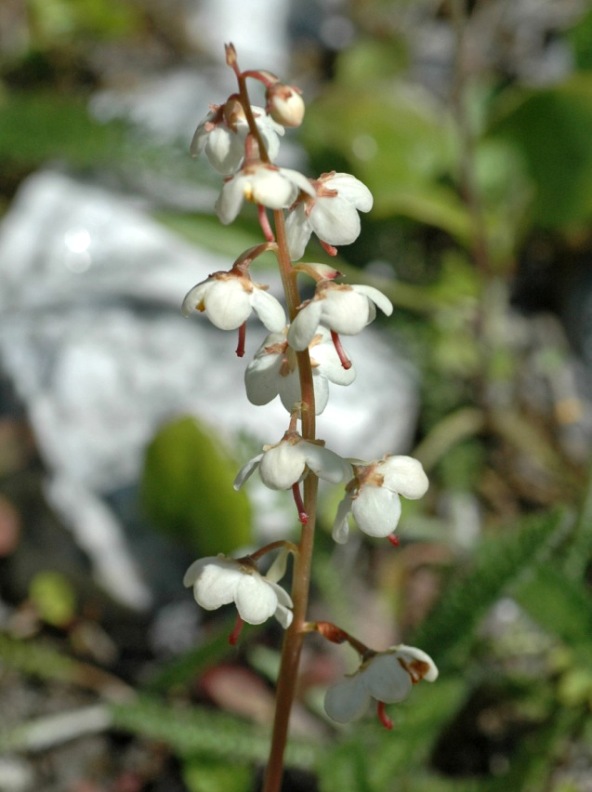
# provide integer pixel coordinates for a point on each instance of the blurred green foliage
(37, 127)
(185, 472)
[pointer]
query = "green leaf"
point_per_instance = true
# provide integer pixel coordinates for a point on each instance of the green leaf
(203, 732)
(449, 631)
(580, 38)
(188, 666)
(36, 127)
(54, 598)
(203, 776)
(205, 231)
(552, 128)
(187, 489)
(37, 659)
(399, 144)
(561, 606)
(371, 60)
(53, 22)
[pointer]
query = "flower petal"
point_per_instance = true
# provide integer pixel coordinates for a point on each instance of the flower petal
(247, 471)
(255, 599)
(284, 599)
(404, 475)
(284, 616)
(282, 465)
(230, 199)
(199, 139)
(340, 531)
(376, 510)
(262, 377)
(377, 297)
(347, 700)
(276, 572)
(299, 180)
(224, 150)
(270, 187)
(386, 679)
(344, 310)
(227, 304)
(298, 231)
(326, 464)
(419, 664)
(195, 570)
(320, 386)
(328, 363)
(335, 221)
(195, 296)
(216, 584)
(289, 389)
(303, 328)
(268, 309)
(351, 189)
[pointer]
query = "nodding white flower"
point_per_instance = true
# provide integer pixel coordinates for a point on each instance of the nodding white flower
(228, 298)
(263, 184)
(340, 307)
(219, 580)
(274, 370)
(283, 465)
(386, 677)
(222, 134)
(331, 212)
(285, 104)
(372, 496)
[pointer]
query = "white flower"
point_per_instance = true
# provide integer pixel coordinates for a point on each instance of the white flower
(228, 298)
(221, 136)
(285, 104)
(218, 580)
(266, 185)
(274, 370)
(339, 307)
(283, 465)
(332, 212)
(372, 496)
(386, 677)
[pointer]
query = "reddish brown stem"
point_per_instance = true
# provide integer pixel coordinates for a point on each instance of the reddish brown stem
(242, 335)
(382, 716)
(264, 223)
(302, 515)
(292, 644)
(345, 361)
(236, 631)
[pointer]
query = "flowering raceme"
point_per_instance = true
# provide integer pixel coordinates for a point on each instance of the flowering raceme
(299, 358)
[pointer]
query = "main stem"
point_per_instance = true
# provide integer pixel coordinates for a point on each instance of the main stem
(293, 637)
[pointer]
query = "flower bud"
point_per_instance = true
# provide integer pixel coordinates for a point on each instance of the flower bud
(285, 104)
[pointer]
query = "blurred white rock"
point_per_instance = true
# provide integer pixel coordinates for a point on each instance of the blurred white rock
(92, 336)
